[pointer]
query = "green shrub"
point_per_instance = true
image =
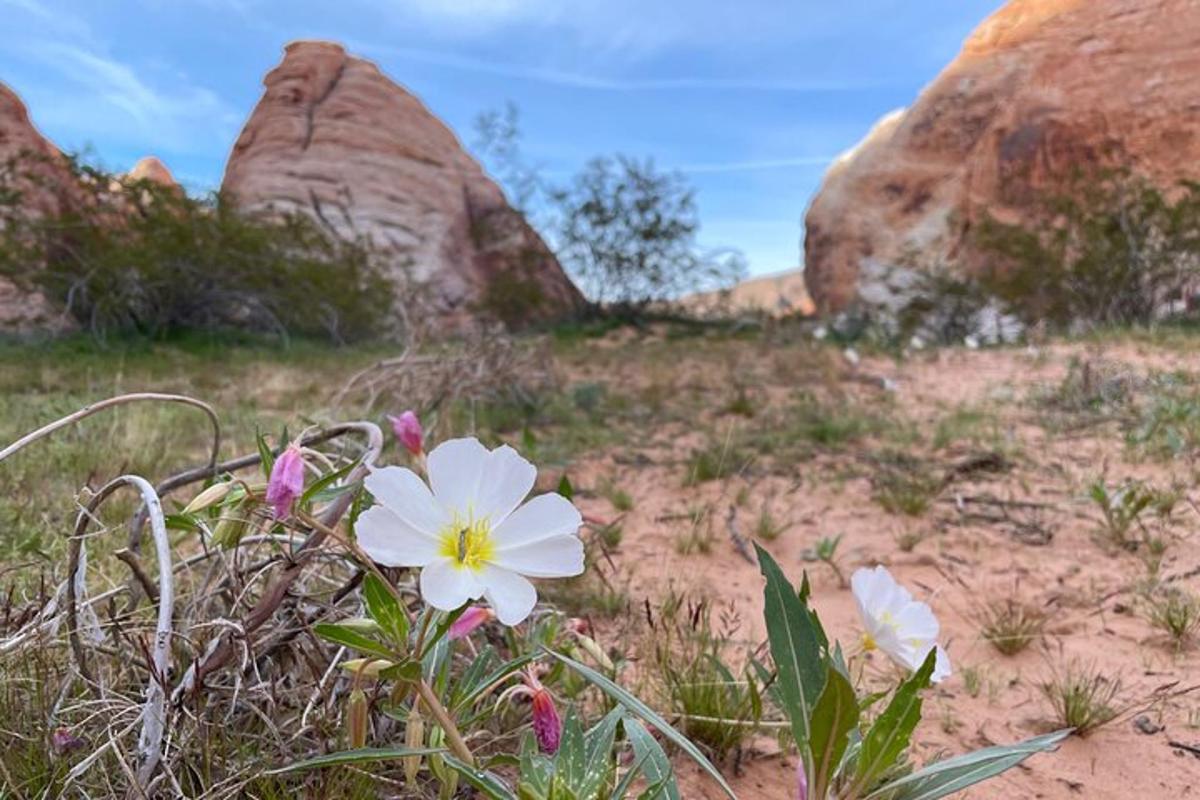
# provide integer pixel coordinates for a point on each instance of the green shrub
(135, 256)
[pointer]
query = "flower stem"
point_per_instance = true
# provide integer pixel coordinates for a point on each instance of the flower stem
(431, 700)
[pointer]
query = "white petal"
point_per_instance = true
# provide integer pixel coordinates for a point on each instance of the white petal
(391, 541)
(510, 595)
(556, 557)
(455, 467)
(542, 517)
(505, 481)
(404, 493)
(916, 622)
(446, 586)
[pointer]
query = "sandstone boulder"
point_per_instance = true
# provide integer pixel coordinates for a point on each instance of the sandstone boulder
(35, 169)
(336, 139)
(1042, 90)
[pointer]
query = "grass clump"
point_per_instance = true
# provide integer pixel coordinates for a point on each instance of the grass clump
(1010, 626)
(1175, 612)
(717, 708)
(905, 487)
(1081, 697)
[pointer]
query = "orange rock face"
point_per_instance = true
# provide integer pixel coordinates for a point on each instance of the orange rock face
(334, 138)
(36, 169)
(1042, 90)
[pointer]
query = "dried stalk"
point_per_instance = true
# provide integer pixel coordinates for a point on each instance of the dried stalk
(221, 649)
(149, 749)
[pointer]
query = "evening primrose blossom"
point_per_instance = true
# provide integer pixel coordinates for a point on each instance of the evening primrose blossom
(466, 531)
(903, 628)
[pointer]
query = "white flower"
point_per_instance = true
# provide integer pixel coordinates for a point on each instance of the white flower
(903, 628)
(468, 534)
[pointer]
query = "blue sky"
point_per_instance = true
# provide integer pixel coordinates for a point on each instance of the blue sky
(751, 99)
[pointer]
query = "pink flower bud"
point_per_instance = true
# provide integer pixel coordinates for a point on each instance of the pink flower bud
(801, 780)
(469, 620)
(547, 728)
(286, 482)
(62, 741)
(408, 430)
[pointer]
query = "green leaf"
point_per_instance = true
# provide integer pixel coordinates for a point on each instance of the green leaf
(955, 774)
(890, 734)
(570, 762)
(834, 716)
(599, 743)
(483, 781)
(795, 646)
(407, 671)
(648, 714)
(340, 634)
(650, 754)
(359, 756)
(626, 783)
(385, 609)
(565, 488)
(325, 482)
(487, 683)
(266, 457)
(537, 770)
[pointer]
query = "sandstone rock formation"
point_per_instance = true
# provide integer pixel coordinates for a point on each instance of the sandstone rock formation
(1041, 90)
(33, 167)
(334, 138)
(151, 169)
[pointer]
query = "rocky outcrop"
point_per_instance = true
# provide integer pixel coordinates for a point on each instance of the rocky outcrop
(334, 138)
(1042, 90)
(36, 170)
(151, 169)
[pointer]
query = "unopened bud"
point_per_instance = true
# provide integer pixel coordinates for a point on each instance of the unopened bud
(408, 430)
(593, 649)
(209, 497)
(414, 738)
(469, 620)
(357, 719)
(286, 483)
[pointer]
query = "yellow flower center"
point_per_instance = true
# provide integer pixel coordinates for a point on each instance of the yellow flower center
(868, 642)
(467, 543)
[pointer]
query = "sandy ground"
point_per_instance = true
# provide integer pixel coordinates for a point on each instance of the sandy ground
(960, 564)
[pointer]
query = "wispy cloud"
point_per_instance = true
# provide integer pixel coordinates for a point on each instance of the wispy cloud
(750, 166)
(578, 80)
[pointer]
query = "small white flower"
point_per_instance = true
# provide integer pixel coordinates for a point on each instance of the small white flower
(468, 534)
(903, 628)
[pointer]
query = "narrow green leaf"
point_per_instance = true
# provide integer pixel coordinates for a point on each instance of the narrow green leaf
(267, 458)
(649, 753)
(627, 780)
(491, 785)
(570, 762)
(565, 488)
(835, 715)
(359, 756)
(795, 646)
(478, 690)
(339, 634)
(648, 714)
(955, 774)
(599, 744)
(385, 609)
(890, 734)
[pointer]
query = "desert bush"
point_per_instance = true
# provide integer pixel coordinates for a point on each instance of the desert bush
(137, 257)
(1112, 250)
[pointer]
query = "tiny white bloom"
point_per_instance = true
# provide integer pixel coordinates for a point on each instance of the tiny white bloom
(903, 628)
(468, 534)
